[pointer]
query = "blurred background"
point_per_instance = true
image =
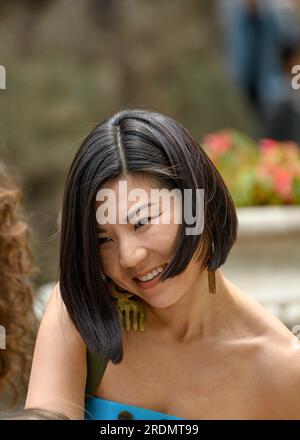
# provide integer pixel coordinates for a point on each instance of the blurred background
(222, 68)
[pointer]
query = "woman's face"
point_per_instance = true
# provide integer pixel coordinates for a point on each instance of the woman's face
(130, 249)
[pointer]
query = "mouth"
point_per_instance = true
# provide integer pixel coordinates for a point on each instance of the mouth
(150, 283)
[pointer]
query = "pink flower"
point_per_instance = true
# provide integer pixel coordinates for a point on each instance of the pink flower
(283, 181)
(268, 145)
(219, 143)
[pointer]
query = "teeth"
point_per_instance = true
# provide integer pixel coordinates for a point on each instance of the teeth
(152, 274)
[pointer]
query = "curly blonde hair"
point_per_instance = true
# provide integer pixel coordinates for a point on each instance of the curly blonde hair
(16, 293)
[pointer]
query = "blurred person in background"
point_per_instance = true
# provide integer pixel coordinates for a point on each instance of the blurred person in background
(16, 297)
(284, 119)
(254, 31)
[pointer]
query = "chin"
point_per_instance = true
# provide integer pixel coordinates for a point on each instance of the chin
(160, 302)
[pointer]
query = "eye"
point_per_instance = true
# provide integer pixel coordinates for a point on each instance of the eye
(102, 240)
(145, 221)
(142, 222)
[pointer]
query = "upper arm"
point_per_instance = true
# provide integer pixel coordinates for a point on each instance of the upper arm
(59, 370)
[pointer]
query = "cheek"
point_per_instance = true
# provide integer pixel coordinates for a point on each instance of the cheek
(166, 238)
(108, 261)
(160, 240)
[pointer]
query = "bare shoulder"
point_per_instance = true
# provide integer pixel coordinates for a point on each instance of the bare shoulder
(280, 375)
(278, 367)
(272, 353)
(58, 374)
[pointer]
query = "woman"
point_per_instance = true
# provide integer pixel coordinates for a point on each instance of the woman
(193, 346)
(16, 298)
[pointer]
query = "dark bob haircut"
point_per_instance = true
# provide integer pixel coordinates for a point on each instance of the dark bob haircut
(137, 143)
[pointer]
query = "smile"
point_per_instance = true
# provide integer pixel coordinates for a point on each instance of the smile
(152, 274)
(151, 279)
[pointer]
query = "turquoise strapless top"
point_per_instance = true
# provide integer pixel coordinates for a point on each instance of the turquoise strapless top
(97, 408)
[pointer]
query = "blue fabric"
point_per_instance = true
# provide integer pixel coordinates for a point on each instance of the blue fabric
(97, 408)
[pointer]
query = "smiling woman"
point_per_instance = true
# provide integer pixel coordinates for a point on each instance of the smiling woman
(146, 150)
(202, 341)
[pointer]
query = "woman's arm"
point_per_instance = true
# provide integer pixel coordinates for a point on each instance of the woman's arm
(36, 414)
(58, 374)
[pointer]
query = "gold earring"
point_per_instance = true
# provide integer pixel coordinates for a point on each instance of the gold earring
(211, 281)
(129, 308)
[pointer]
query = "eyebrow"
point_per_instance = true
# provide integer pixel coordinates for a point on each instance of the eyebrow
(129, 216)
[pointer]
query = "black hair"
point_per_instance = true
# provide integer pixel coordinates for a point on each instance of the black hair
(134, 142)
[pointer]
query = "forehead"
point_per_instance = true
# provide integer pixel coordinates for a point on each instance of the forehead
(125, 198)
(129, 189)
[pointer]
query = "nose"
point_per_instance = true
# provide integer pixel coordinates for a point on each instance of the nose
(132, 252)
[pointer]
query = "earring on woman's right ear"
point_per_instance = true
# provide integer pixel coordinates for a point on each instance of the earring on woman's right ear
(211, 275)
(211, 281)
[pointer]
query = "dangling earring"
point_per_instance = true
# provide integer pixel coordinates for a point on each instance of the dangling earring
(211, 281)
(129, 307)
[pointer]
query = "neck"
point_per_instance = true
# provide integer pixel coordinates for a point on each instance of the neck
(196, 314)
